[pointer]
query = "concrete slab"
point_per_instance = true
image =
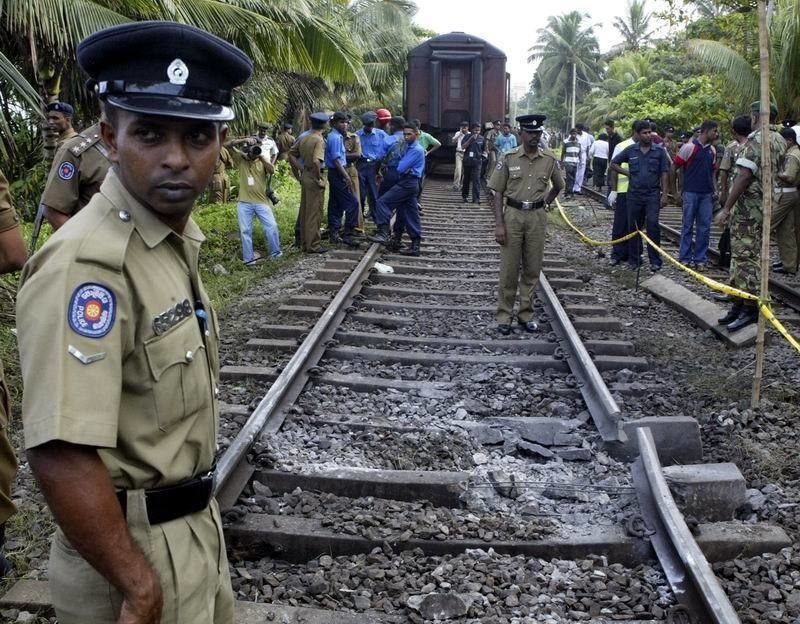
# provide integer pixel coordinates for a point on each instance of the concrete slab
(443, 488)
(387, 321)
(677, 439)
(701, 312)
(540, 430)
(707, 492)
(422, 292)
(359, 383)
(261, 373)
(301, 539)
(35, 596)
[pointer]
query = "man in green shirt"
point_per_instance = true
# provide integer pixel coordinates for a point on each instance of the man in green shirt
(254, 167)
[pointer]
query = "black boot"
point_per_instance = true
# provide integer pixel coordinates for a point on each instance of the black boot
(349, 239)
(394, 242)
(733, 313)
(747, 316)
(381, 236)
(334, 238)
(414, 250)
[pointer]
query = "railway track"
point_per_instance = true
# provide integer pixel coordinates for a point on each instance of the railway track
(391, 457)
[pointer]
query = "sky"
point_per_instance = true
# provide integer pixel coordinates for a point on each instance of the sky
(511, 25)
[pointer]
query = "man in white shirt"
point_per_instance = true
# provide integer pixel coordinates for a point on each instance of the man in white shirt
(463, 132)
(586, 141)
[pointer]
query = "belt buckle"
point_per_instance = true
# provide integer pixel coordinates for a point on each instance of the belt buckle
(527, 205)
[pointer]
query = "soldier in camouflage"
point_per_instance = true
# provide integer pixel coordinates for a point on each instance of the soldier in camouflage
(748, 216)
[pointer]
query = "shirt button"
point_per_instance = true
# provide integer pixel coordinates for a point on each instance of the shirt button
(189, 356)
(124, 215)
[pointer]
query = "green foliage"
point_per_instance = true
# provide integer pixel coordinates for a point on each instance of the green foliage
(680, 104)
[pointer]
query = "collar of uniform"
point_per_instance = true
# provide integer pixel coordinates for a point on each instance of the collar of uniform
(152, 229)
(536, 154)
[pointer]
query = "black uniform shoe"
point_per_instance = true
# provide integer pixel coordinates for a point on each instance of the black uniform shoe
(381, 236)
(613, 262)
(349, 239)
(748, 316)
(777, 265)
(334, 238)
(529, 326)
(318, 250)
(465, 200)
(504, 329)
(733, 313)
(413, 250)
(718, 296)
(394, 243)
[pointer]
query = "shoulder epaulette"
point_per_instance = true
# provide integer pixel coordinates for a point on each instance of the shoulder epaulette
(107, 242)
(82, 142)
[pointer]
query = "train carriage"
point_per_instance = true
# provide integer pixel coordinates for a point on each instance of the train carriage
(453, 78)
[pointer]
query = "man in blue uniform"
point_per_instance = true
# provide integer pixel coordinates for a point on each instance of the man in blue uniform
(647, 192)
(393, 148)
(403, 195)
(341, 197)
(372, 140)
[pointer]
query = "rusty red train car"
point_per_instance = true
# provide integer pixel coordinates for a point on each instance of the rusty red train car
(453, 78)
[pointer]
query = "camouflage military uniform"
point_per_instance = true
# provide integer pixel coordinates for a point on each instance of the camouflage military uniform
(747, 216)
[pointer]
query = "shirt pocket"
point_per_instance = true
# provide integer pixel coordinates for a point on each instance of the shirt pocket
(634, 166)
(178, 369)
(653, 165)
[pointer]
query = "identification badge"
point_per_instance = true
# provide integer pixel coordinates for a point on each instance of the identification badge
(251, 181)
(471, 155)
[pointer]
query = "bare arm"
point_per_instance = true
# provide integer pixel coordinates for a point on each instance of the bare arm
(13, 253)
(81, 496)
(54, 217)
(664, 187)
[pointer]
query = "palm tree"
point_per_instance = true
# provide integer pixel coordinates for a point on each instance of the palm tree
(569, 56)
(742, 78)
(634, 27)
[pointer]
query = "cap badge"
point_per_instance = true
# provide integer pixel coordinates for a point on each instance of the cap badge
(177, 72)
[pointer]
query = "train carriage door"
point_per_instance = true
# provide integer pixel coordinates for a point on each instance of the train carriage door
(455, 90)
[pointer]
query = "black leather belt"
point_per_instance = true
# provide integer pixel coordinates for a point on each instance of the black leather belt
(174, 501)
(366, 160)
(524, 205)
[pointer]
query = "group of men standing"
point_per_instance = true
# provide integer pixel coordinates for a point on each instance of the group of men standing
(476, 154)
(376, 168)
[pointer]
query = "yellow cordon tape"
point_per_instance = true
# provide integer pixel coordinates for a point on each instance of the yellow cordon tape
(713, 284)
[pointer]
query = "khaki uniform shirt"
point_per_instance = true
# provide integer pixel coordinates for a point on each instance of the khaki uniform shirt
(352, 148)
(8, 216)
(310, 148)
(69, 134)
(791, 168)
(285, 140)
(111, 351)
(526, 178)
(79, 168)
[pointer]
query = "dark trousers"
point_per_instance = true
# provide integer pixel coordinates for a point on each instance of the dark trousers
(599, 169)
(570, 170)
(402, 198)
(643, 211)
(368, 184)
(341, 199)
(472, 175)
(390, 178)
(619, 228)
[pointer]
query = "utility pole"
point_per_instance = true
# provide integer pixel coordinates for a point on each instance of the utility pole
(574, 84)
(766, 189)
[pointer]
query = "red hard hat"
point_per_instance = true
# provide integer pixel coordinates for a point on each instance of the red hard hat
(383, 114)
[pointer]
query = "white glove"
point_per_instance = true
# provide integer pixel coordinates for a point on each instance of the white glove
(612, 198)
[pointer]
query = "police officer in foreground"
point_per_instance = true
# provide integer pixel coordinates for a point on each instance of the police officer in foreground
(526, 180)
(120, 361)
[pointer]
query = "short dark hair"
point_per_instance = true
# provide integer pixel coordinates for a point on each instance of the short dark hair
(602, 137)
(416, 123)
(742, 125)
(653, 126)
(640, 125)
(410, 125)
(571, 130)
(475, 125)
(788, 133)
(708, 124)
(610, 123)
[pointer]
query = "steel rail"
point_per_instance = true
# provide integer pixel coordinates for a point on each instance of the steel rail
(786, 293)
(269, 415)
(672, 539)
(603, 408)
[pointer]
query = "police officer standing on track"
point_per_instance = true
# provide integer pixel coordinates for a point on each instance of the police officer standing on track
(284, 140)
(120, 360)
(521, 178)
(306, 156)
(372, 140)
(341, 198)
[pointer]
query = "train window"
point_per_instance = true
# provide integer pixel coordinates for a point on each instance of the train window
(456, 86)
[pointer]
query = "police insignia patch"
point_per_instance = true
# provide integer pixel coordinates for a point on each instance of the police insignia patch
(92, 309)
(500, 165)
(66, 170)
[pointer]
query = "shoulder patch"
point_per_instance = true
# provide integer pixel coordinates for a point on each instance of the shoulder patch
(66, 170)
(500, 164)
(92, 310)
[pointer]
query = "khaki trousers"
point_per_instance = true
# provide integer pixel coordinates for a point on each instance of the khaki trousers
(520, 262)
(312, 198)
(353, 173)
(188, 554)
(785, 227)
